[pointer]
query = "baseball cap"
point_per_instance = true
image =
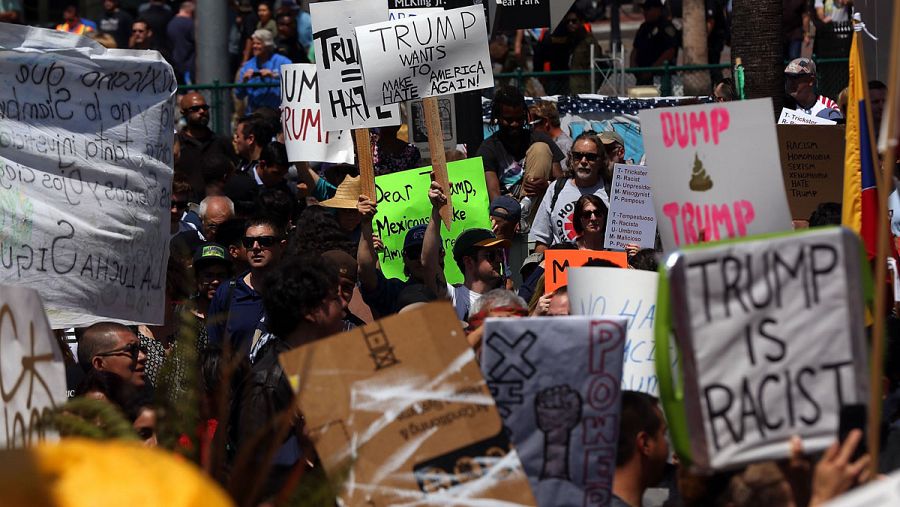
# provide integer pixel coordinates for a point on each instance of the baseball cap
(471, 240)
(652, 3)
(801, 67)
(414, 237)
(209, 253)
(507, 208)
(344, 262)
(611, 136)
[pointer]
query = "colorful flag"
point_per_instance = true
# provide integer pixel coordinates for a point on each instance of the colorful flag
(889, 138)
(860, 209)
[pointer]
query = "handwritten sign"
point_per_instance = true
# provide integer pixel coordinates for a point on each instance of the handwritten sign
(774, 332)
(712, 168)
(812, 164)
(557, 263)
(425, 56)
(32, 373)
(403, 403)
(343, 102)
(403, 204)
(626, 293)
(632, 218)
(418, 133)
(520, 14)
(411, 13)
(794, 117)
(563, 415)
(305, 137)
(85, 175)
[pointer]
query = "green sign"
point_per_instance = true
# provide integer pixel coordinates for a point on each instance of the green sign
(403, 204)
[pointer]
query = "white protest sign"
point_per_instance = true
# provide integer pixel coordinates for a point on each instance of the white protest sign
(86, 157)
(632, 218)
(32, 373)
(794, 117)
(343, 100)
(772, 338)
(563, 415)
(425, 56)
(411, 13)
(882, 492)
(626, 293)
(715, 171)
(305, 137)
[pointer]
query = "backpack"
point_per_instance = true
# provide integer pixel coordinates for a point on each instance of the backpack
(557, 188)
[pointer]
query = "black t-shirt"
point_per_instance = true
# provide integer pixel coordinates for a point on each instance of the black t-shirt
(652, 40)
(291, 49)
(117, 24)
(158, 18)
(509, 166)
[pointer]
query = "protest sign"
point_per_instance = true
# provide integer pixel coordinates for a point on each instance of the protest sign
(712, 168)
(411, 13)
(32, 372)
(625, 293)
(794, 117)
(520, 14)
(403, 403)
(85, 175)
(772, 341)
(812, 164)
(563, 415)
(418, 133)
(305, 137)
(343, 101)
(425, 56)
(557, 263)
(403, 203)
(632, 218)
(882, 492)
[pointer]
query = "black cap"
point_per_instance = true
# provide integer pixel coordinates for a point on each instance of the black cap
(471, 240)
(210, 253)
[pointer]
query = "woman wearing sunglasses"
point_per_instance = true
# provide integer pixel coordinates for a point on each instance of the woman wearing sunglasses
(589, 222)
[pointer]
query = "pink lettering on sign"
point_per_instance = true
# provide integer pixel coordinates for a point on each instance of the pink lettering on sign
(689, 129)
(689, 220)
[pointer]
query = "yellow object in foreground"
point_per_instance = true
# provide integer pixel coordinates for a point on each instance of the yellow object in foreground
(77, 472)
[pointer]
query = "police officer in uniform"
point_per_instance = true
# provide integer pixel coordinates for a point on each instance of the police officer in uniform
(656, 41)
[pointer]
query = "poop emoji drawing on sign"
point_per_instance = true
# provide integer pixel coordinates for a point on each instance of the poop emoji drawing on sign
(700, 181)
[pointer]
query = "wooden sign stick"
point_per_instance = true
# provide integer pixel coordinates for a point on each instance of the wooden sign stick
(438, 157)
(365, 163)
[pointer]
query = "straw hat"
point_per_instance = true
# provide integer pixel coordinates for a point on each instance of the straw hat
(347, 194)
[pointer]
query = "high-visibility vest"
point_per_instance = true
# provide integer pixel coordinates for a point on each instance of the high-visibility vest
(79, 29)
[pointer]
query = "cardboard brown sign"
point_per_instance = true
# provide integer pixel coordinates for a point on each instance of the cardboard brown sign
(812, 164)
(402, 402)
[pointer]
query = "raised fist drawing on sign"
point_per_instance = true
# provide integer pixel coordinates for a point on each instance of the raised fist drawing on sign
(558, 411)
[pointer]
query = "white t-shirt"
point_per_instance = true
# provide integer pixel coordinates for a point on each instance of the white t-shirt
(456, 292)
(894, 212)
(555, 226)
(838, 13)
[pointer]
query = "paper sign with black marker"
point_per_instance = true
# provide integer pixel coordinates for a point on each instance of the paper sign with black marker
(343, 101)
(563, 415)
(771, 334)
(86, 157)
(425, 56)
(632, 219)
(305, 137)
(631, 294)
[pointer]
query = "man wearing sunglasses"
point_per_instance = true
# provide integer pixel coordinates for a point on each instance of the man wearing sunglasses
(114, 348)
(199, 145)
(237, 309)
(554, 220)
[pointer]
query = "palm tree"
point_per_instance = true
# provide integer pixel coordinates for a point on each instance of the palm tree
(756, 38)
(695, 47)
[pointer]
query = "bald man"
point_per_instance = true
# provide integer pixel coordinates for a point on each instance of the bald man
(215, 211)
(206, 158)
(114, 348)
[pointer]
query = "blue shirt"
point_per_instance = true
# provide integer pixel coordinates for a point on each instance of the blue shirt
(263, 97)
(304, 29)
(243, 314)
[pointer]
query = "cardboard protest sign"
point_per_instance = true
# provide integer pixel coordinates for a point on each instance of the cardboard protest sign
(632, 218)
(425, 56)
(812, 164)
(403, 403)
(86, 158)
(305, 136)
(403, 204)
(625, 293)
(772, 341)
(343, 100)
(712, 171)
(563, 415)
(557, 263)
(32, 373)
(794, 117)
(418, 132)
(883, 492)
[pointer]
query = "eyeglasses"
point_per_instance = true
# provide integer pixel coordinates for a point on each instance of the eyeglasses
(492, 255)
(591, 157)
(264, 241)
(133, 349)
(179, 204)
(197, 109)
(587, 214)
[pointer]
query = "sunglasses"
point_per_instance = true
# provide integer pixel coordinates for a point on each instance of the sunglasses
(492, 255)
(264, 241)
(179, 204)
(591, 213)
(197, 109)
(591, 157)
(413, 253)
(133, 349)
